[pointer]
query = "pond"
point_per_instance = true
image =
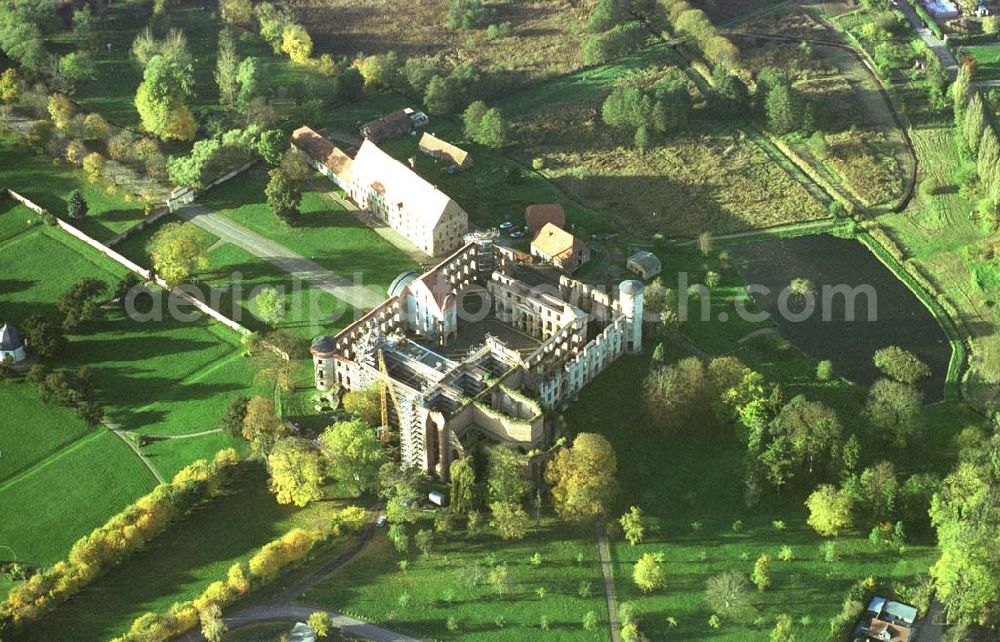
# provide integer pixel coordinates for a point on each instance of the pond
(894, 315)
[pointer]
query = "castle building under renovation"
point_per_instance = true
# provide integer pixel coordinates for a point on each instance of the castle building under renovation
(478, 349)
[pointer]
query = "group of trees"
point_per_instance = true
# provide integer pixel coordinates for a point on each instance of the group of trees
(23, 27)
(665, 108)
(212, 157)
(966, 514)
(443, 90)
(469, 14)
(73, 388)
(283, 33)
(485, 125)
(978, 134)
(130, 530)
(241, 579)
(785, 108)
(694, 23)
(348, 456)
(615, 30)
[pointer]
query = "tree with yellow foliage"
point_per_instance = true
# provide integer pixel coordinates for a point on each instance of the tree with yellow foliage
(583, 477)
(297, 43)
(297, 472)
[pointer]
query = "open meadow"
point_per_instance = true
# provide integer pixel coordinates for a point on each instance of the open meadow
(185, 559)
(162, 378)
(546, 40)
(687, 485)
(452, 582)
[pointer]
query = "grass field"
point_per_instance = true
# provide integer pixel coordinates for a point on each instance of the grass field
(70, 493)
(547, 40)
(309, 311)
(182, 561)
(987, 60)
(157, 378)
(943, 235)
(15, 219)
(49, 184)
(324, 233)
(44, 429)
(154, 377)
(701, 487)
(452, 583)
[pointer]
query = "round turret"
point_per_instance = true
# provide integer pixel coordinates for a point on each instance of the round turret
(630, 296)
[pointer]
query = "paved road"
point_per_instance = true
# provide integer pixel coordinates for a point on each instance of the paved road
(607, 570)
(347, 625)
(940, 49)
(281, 257)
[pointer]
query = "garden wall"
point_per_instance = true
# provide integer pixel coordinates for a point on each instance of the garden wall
(131, 266)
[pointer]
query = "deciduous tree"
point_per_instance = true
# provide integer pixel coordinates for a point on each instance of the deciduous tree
(901, 365)
(831, 511)
(633, 525)
(283, 195)
(728, 594)
(354, 455)
(297, 472)
(648, 574)
(178, 250)
(583, 477)
(261, 425)
(895, 410)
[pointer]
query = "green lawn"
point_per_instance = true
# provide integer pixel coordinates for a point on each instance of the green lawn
(695, 480)
(371, 587)
(70, 493)
(324, 233)
(182, 561)
(42, 429)
(309, 311)
(49, 183)
(987, 59)
(15, 219)
(157, 378)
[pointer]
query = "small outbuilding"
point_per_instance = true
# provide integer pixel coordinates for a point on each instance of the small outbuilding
(323, 155)
(302, 632)
(443, 150)
(538, 216)
(645, 264)
(11, 344)
(398, 123)
(560, 248)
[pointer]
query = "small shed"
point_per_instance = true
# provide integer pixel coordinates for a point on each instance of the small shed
(398, 123)
(645, 264)
(445, 151)
(11, 344)
(538, 216)
(302, 632)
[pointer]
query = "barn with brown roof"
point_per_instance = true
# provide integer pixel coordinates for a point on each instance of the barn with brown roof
(398, 123)
(322, 154)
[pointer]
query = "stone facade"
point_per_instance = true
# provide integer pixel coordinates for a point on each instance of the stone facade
(491, 390)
